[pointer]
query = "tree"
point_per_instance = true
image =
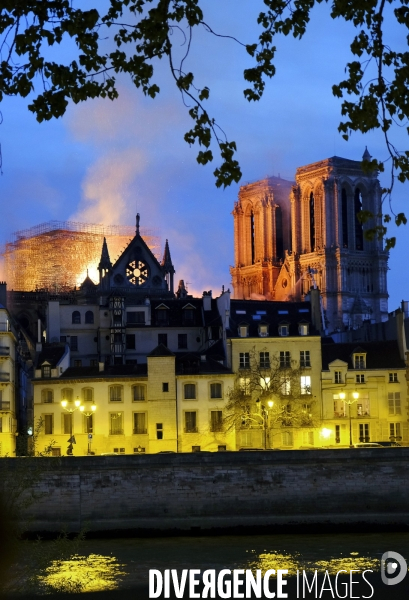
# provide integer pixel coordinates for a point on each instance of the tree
(374, 92)
(271, 397)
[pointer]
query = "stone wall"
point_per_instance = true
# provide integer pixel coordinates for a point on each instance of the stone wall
(218, 490)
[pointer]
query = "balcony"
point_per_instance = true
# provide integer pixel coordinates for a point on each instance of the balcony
(4, 352)
(4, 377)
(4, 405)
(140, 431)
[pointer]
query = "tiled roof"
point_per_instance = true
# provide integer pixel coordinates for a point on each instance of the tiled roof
(379, 355)
(109, 371)
(52, 354)
(192, 364)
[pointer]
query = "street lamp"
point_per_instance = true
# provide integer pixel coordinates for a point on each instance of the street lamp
(71, 410)
(264, 416)
(355, 397)
(89, 414)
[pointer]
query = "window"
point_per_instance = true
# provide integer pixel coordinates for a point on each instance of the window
(63, 339)
(362, 407)
(89, 317)
(338, 377)
(263, 330)
(139, 423)
(244, 383)
(48, 424)
(135, 317)
(287, 438)
(159, 431)
(395, 434)
(78, 363)
(283, 330)
(163, 339)
(364, 432)
(190, 422)
(130, 341)
(93, 362)
(162, 316)
(216, 390)
(393, 378)
(360, 378)
(88, 424)
(285, 360)
(88, 394)
(74, 343)
(116, 426)
(394, 403)
(285, 385)
(76, 317)
(190, 391)
(138, 393)
(337, 434)
(55, 451)
(47, 396)
(303, 328)
(188, 316)
(67, 423)
(216, 420)
(264, 360)
(195, 448)
(339, 407)
(244, 358)
(305, 359)
(243, 331)
(308, 438)
(67, 394)
(115, 393)
(221, 448)
(182, 341)
(46, 371)
(165, 388)
(359, 361)
(305, 384)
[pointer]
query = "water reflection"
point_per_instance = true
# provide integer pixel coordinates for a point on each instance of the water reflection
(83, 574)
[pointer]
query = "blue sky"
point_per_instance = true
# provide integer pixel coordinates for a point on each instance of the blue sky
(104, 161)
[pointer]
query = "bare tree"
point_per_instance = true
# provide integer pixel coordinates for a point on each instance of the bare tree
(271, 396)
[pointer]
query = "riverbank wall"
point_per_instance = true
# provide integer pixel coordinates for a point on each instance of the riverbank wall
(209, 491)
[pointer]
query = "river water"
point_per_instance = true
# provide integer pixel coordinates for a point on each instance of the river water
(124, 564)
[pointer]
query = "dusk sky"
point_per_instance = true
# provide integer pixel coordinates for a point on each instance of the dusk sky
(104, 161)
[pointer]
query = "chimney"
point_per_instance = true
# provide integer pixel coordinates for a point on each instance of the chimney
(101, 366)
(3, 293)
(207, 300)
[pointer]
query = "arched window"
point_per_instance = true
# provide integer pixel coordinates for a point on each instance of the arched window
(344, 215)
(89, 317)
(359, 231)
(76, 317)
(67, 394)
(216, 390)
(312, 222)
(252, 237)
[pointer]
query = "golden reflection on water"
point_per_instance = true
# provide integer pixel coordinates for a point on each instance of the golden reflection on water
(295, 561)
(83, 574)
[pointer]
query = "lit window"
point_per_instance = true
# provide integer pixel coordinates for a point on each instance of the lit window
(305, 384)
(243, 331)
(285, 385)
(116, 426)
(394, 403)
(362, 408)
(244, 384)
(303, 328)
(263, 330)
(339, 407)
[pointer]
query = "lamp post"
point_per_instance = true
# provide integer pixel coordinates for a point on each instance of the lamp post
(89, 414)
(71, 410)
(355, 397)
(264, 416)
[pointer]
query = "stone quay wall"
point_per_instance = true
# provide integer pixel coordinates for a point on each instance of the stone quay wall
(215, 490)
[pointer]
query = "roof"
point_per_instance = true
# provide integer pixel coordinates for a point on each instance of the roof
(161, 350)
(109, 371)
(256, 312)
(51, 354)
(379, 355)
(192, 363)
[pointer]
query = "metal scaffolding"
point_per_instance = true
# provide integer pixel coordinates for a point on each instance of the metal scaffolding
(55, 256)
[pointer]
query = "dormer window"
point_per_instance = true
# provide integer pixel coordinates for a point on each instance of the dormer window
(162, 315)
(359, 361)
(243, 330)
(303, 328)
(188, 315)
(263, 330)
(46, 371)
(284, 329)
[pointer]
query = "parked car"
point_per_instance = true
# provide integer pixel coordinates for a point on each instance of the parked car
(367, 445)
(386, 444)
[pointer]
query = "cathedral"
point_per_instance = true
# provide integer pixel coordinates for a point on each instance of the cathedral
(290, 237)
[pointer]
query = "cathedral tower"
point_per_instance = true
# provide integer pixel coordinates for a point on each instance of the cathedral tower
(328, 248)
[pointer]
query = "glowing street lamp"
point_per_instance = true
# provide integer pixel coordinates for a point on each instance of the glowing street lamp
(71, 410)
(355, 397)
(89, 414)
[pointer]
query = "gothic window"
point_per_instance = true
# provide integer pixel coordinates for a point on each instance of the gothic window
(89, 317)
(344, 215)
(279, 233)
(359, 232)
(253, 241)
(312, 222)
(76, 317)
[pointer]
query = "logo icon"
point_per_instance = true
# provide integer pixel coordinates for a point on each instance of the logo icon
(393, 568)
